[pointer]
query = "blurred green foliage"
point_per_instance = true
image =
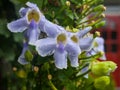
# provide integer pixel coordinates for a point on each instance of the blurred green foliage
(41, 74)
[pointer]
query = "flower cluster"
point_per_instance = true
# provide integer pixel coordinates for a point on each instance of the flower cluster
(58, 42)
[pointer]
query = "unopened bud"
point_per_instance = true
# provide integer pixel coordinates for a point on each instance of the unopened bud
(103, 68)
(111, 65)
(100, 24)
(101, 82)
(49, 76)
(102, 15)
(36, 69)
(99, 8)
(97, 33)
(14, 69)
(68, 3)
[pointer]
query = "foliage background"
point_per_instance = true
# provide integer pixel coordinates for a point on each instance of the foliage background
(14, 76)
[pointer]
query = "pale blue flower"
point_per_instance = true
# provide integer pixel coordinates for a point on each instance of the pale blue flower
(32, 21)
(98, 46)
(65, 44)
(61, 46)
(21, 58)
(85, 43)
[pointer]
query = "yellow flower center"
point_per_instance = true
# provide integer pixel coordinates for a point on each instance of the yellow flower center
(74, 39)
(61, 38)
(33, 15)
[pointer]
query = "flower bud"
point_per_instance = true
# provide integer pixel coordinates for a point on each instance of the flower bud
(97, 34)
(101, 82)
(49, 76)
(68, 3)
(36, 69)
(100, 24)
(102, 15)
(99, 8)
(103, 68)
(111, 65)
(99, 69)
(14, 69)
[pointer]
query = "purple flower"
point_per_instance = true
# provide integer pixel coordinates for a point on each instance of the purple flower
(30, 19)
(98, 46)
(65, 44)
(85, 43)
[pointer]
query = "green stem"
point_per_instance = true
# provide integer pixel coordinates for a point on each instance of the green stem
(52, 85)
(81, 75)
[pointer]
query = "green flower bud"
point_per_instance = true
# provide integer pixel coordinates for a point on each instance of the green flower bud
(101, 82)
(68, 3)
(100, 24)
(103, 68)
(111, 65)
(28, 55)
(99, 8)
(99, 69)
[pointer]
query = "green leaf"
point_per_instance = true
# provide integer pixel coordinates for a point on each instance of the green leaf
(39, 3)
(3, 28)
(70, 14)
(63, 2)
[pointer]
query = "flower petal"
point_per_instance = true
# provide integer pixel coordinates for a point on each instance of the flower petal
(42, 22)
(23, 11)
(73, 48)
(45, 46)
(18, 26)
(74, 60)
(21, 58)
(100, 47)
(60, 59)
(81, 33)
(33, 33)
(52, 29)
(86, 43)
(85, 70)
(32, 5)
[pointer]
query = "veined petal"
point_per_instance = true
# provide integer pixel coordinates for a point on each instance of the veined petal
(45, 46)
(86, 43)
(52, 29)
(81, 33)
(18, 26)
(74, 60)
(60, 59)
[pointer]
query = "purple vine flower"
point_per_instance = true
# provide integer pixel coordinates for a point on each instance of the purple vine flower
(65, 44)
